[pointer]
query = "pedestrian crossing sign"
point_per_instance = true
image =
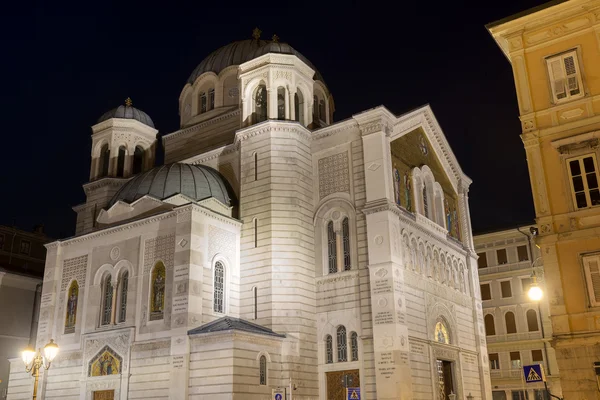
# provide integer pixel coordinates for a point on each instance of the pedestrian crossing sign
(353, 393)
(534, 373)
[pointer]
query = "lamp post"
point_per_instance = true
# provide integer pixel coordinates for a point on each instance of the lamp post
(34, 360)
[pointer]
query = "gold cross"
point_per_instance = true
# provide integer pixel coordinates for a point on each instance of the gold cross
(256, 33)
(275, 39)
(128, 102)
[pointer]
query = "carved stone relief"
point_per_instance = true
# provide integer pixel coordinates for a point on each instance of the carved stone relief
(333, 174)
(74, 268)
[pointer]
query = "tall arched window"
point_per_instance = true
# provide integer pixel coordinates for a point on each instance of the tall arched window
(354, 346)
(299, 106)
(124, 284)
(71, 314)
(104, 161)
(219, 288)
(532, 321)
(121, 162)
(280, 103)
(346, 242)
(263, 370)
(511, 324)
(490, 326)
(203, 102)
(107, 296)
(157, 294)
(332, 248)
(138, 160)
(425, 202)
(322, 113)
(315, 109)
(328, 349)
(260, 103)
(211, 98)
(342, 344)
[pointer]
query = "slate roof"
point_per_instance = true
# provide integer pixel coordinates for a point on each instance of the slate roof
(233, 324)
(127, 112)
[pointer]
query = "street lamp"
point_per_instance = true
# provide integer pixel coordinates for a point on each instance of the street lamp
(35, 360)
(535, 292)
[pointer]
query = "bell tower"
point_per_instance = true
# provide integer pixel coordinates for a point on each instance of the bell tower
(123, 145)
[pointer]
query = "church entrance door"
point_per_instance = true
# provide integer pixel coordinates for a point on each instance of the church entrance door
(104, 395)
(445, 379)
(337, 381)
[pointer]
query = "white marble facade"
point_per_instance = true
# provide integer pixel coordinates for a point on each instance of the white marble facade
(307, 266)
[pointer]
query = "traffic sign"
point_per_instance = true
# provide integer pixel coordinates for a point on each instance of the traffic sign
(279, 394)
(353, 393)
(534, 373)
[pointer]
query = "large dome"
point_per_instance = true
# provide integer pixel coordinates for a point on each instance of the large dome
(239, 52)
(197, 182)
(127, 112)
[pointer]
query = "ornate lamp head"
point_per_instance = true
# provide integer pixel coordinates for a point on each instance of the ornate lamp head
(50, 351)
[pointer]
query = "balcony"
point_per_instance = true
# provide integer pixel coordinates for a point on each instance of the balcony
(514, 337)
(505, 268)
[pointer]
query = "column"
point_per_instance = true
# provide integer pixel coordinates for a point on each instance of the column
(114, 302)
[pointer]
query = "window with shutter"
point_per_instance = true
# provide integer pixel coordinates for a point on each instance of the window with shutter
(583, 173)
(591, 265)
(565, 76)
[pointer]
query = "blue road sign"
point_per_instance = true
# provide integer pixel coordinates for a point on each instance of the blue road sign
(278, 396)
(354, 393)
(534, 373)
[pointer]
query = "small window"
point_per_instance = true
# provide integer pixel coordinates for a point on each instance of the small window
(540, 394)
(519, 395)
(511, 323)
(506, 289)
(536, 356)
(121, 162)
(490, 327)
(280, 103)
(486, 291)
(526, 284)
(342, 345)
(124, 286)
(219, 288)
(584, 181)
(354, 346)
(1, 241)
(138, 160)
(565, 76)
(211, 99)
(260, 104)
(346, 244)
(331, 248)
(482, 261)
(532, 321)
(591, 266)
(107, 294)
(522, 253)
(25, 247)
(104, 161)
(329, 350)
(515, 359)
(203, 102)
(263, 370)
(494, 361)
(501, 255)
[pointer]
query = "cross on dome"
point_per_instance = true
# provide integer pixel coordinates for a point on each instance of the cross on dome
(128, 102)
(256, 33)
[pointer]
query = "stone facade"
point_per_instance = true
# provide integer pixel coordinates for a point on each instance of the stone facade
(335, 277)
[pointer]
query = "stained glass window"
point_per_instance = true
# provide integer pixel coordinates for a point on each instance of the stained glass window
(441, 333)
(71, 316)
(157, 298)
(332, 248)
(342, 345)
(124, 285)
(219, 287)
(329, 349)
(354, 346)
(263, 370)
(107, 301)
(346, 242)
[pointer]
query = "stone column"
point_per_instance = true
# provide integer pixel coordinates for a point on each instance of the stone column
(180, 368)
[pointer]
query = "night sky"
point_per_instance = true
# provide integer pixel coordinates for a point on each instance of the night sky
(66, 63)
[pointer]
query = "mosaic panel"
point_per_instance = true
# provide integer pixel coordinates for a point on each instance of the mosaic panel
(333, 174)
(159, 248)
(74, 268)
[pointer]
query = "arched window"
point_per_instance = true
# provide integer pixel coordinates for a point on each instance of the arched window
(328, 349)
(107, 296)
(124, 284)
(104, 161)
(315, 109)
(342, 344)
(354, 346)
(203, 102)
(219, 288)
(280, 103)
(157, 295)
(322, 113)
(346, 242)
(211, 98)
(425, 202)
(260, 103)
(511, 324)
(332, 248)
(532, 321)
(263, 370)
(71, 317)
(138, 160)
(299, 107)
(121, 162)
(490, 327)
(255, 290)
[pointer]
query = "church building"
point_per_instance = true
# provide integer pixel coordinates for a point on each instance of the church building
(275, 250)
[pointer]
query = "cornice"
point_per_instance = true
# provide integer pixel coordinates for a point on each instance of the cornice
(123, 123)
(102, 182)
(211, 155)
(332, 130)
(272, 126)
(202, 125)
(339, 277)
(233, 335)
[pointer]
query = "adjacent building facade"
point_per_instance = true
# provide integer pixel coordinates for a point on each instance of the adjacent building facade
(22, 259)
(274, 249)
(518, 330)
(555, 53)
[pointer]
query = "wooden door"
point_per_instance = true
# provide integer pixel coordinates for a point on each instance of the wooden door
(335, 383)
(104, 395)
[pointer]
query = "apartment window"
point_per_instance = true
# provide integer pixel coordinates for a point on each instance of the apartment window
(584, 181)
(482, 261)
(515, 359)
(494, 361)
(490, 326)
(532, 321)
(519, 395)
(522, 253)
(511, 323)
(536, 356)
(25, 247)
(565, 76)
(540, 394)
(506, 289)
(526, 284)
(501, 255)
(591, 267)
(486, 291)
(1, 242)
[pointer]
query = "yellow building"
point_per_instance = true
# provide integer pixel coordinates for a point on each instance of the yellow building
(554, 51)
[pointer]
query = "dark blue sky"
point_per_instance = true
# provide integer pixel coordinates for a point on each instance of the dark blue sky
(65, 63)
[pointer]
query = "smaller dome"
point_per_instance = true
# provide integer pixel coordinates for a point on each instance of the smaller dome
(127, 112)
(198, 182)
